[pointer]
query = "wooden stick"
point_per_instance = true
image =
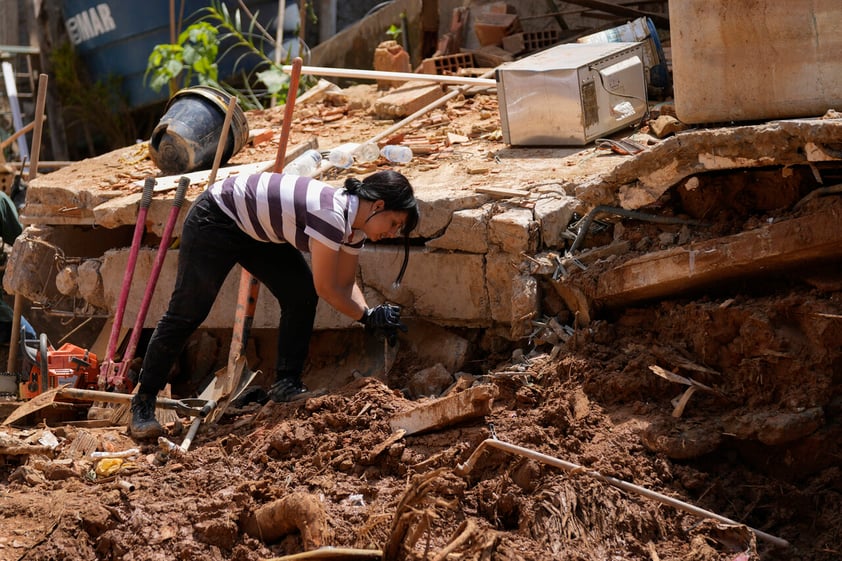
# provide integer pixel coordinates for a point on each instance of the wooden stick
(33, 172)
(16, 134)
(382, 74)
(223, 138)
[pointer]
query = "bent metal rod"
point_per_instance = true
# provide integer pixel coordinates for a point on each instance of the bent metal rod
(465, 468)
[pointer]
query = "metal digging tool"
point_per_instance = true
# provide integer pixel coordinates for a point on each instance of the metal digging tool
(108, 368)
(189, 407)
(233, 379)
(166, 239)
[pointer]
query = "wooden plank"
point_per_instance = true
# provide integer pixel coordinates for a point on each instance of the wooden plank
(469, 404)
(772, 247)
(502, 193)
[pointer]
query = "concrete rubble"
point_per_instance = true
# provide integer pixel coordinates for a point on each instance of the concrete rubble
(475, 245)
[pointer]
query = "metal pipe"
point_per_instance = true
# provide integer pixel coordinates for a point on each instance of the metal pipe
(194, 426)
(633, 214)
(124, 485)
(465, 468)
(116, 454)
(381, 74)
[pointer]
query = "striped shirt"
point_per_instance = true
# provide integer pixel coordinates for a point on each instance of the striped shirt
(279, 208)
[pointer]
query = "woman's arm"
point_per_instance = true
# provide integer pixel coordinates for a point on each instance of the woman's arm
(335, 279)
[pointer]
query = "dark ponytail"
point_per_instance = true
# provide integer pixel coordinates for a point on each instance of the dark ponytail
(396, 193)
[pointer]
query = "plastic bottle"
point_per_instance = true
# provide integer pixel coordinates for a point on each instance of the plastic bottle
(341, 157)
(366, 152)
(305, 164)
(396, 154)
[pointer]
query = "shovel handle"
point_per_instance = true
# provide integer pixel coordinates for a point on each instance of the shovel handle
(181, 406)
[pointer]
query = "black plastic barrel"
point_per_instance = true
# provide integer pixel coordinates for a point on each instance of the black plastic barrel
(186, 137)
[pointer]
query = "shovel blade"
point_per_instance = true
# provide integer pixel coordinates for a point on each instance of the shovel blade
(226, 385)
(35, 404)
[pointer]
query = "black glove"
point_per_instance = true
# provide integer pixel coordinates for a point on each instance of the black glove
(384, 319)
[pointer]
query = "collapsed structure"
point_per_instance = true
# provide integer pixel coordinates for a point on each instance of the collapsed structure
(666, 256)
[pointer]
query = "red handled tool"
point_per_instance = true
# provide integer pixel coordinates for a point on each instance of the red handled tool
(108, 368)
(121, 379)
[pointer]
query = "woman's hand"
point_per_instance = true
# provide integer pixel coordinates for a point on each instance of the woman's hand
(385, 319)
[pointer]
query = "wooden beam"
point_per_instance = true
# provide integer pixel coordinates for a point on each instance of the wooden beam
(470, 404)
(771, 248)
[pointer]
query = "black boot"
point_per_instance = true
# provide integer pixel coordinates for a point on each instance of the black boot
(287, 388)
(144, 424)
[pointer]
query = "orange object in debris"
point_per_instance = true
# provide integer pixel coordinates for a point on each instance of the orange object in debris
(69, 365)
(389, 56)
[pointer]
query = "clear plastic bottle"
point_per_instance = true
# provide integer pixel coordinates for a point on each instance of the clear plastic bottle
(396, 154)
(342, 156)
(366, 152)
(306, 164)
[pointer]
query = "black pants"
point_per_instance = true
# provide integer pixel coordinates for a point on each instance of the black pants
(211, 244)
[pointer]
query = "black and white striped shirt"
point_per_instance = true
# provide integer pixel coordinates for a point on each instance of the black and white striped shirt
(278, 208)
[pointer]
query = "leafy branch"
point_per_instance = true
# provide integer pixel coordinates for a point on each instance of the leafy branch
(196, 55)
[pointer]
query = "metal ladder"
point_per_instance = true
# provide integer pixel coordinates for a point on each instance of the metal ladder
(20, 81)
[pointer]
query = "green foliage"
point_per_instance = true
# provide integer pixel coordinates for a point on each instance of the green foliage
(394, 32)
(196, 56)
(193, 57)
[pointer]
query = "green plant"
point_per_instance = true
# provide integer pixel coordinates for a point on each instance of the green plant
(193, 56)
(197, 53)
(394, 32)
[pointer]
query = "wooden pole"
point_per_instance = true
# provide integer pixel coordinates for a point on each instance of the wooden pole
(33, 172)
(223, 137)
(382, 74)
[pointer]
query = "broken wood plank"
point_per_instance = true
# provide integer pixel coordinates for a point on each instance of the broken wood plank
(470, 404)
(380, 448)
(502, 192)
(772, 247)
(408, 99)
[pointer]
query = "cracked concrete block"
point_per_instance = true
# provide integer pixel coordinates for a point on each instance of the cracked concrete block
(513, 295)
(467, 231)
(525, 305)
(408, 99)
(553, 214)
(448, 288)
(514, 231)
(31, 266)
(437, 208)
(222, 313)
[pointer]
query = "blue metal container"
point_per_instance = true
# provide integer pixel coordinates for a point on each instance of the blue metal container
(116, 37)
